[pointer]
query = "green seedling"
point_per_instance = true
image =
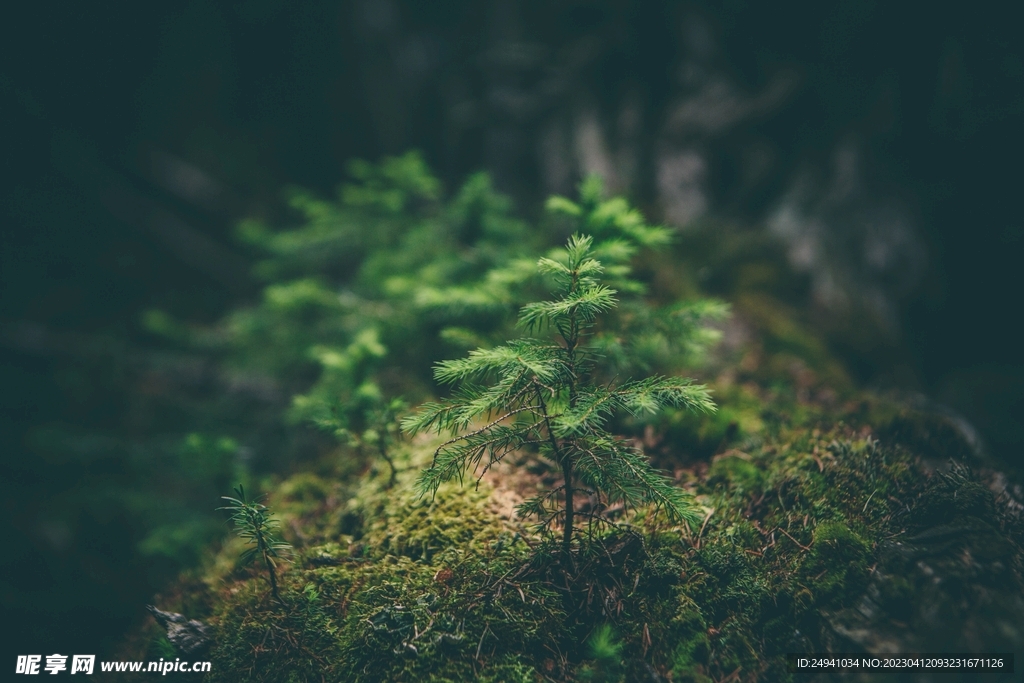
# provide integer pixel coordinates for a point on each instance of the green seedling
(253, 523)
(544, 394)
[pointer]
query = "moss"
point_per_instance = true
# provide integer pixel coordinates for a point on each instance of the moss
(932, 435)
(404, 524)
(304, 488)
(412, 592)
(836, 564)
(389, 586)
(688, 657)
(385, 585)
(736, 473)
(953, 497)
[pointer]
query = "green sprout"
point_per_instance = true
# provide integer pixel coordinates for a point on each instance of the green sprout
(253, 523)
(606, 652)
(383, 431)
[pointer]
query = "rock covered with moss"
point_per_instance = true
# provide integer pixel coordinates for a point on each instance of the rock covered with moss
(816, 537)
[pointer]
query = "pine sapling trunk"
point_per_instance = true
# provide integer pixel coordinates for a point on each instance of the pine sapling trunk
(263, 545)
(571, 338)
(273, 577)
(564, 460)
(569, 511)
(391, 463)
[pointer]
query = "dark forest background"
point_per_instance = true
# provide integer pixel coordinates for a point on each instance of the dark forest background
(878, 143)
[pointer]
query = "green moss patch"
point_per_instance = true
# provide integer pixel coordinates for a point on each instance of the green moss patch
(815, 534)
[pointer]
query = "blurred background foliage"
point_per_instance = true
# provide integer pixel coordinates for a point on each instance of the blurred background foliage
(848, 165)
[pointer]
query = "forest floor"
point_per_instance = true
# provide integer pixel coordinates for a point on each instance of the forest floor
(834, 521)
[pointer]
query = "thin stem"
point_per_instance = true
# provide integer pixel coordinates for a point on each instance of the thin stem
(566, 463)
(387, 458)
(264, 548)
(571, 342)
(273, 577)
(569, 512)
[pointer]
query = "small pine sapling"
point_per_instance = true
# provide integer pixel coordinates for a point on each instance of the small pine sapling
(543, 394)
(369, 422)
(253, 523)
(383, 430)
(606, 653)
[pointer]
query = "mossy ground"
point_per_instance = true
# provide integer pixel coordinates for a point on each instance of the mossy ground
(833, 523)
